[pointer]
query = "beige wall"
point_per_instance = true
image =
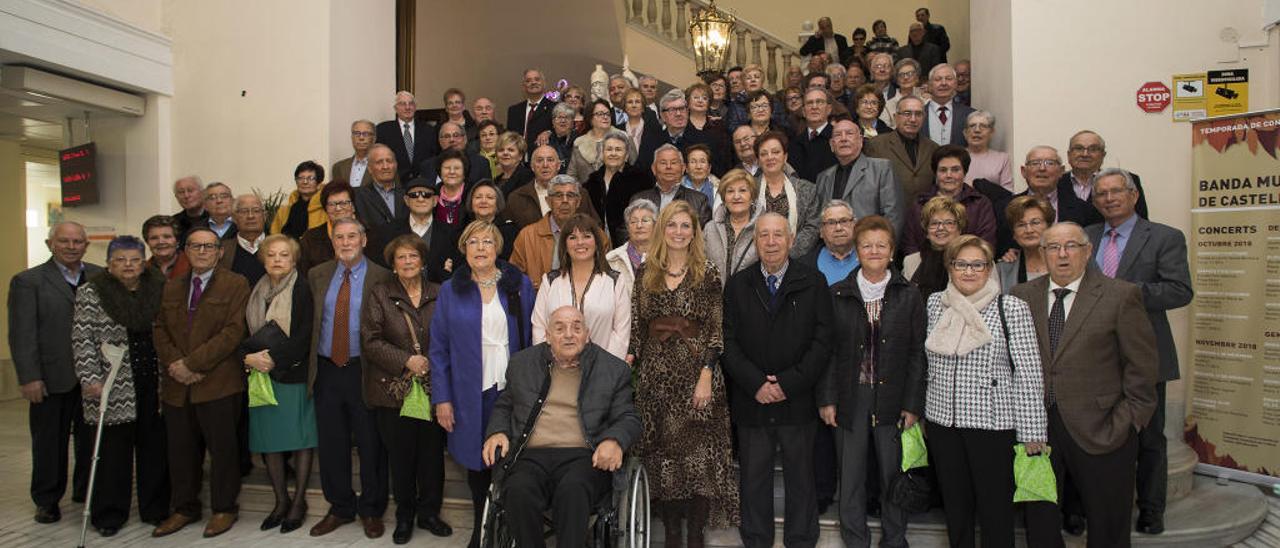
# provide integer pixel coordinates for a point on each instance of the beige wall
(13, 249)
(362, 69)
(1059, 81)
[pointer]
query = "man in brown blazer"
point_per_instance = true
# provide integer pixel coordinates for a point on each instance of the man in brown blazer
(528, 204)
(201, 322)
(334, 378)
(362, 135)
(908, 150)
(1100, 363)
(535, 247)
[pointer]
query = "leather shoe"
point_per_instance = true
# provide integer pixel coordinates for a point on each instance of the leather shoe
(403, 532)
(1150, 523)
(289, 524)
(328, 524)
(219, 523)
(174, 523)
(1074, 524)
(275, 518)
(48, 514)
(373, 527)
(434, 525)
(107, 532)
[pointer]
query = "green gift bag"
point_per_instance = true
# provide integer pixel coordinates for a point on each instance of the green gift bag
(260, 391)
(914, 453)
(1033, 476)
(417, 405)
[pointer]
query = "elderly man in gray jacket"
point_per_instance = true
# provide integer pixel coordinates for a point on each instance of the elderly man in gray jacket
(864, 182)
(568, 410)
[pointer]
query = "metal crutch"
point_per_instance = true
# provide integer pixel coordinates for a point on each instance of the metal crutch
(115, 356)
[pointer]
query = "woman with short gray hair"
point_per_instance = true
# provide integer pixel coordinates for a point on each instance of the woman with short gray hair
(611, 186)
(625, 259)
(985, 163)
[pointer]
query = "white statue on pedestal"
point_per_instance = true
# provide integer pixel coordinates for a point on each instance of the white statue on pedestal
(599, 84)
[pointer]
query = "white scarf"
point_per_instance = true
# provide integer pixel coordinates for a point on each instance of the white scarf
(268, 302)
(872, 291)
(793, 217)
(960, 329)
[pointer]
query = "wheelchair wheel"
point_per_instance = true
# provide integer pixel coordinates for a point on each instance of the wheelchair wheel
(633, 509)
(494, 532)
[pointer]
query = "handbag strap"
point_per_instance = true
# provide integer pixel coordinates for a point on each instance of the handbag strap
(1004, 327)
(413, 331)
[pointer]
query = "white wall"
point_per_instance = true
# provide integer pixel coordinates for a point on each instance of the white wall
(1078, 64)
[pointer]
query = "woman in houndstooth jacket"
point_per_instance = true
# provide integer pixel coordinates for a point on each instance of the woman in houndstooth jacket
(978, 404)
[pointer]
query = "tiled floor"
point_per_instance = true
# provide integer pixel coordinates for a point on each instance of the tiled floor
(18, 530)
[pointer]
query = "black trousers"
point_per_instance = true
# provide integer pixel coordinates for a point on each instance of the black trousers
(1153, 460)
(415, 453)
(143, 442)
(757, 446)
(561, 479)
(825, 463)
(192, 429)
(342, 416)
(53, 422)
(975, 475)
(1106, 485)
(855, 442)
(478, 481)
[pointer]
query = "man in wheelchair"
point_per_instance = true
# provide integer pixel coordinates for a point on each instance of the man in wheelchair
(565, 419)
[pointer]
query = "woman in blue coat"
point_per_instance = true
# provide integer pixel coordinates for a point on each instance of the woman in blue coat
(481, 319)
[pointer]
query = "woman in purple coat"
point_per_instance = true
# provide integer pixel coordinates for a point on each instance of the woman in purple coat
(481, 319)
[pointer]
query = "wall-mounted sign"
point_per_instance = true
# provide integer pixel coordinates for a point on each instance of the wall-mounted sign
(1188, 97)
(1227, 92)
(78, 167)
(1153, 97)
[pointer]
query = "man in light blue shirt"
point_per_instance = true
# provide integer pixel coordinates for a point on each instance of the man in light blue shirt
(835, 257)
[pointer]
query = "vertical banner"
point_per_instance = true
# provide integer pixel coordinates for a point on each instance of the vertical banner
(1233, 412)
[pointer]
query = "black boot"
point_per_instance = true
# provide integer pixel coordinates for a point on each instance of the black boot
(672, 519)
(698, 510)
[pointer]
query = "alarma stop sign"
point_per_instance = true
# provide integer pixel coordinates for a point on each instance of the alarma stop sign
(1153, 97)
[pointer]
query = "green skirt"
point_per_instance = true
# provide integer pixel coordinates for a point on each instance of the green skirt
(289, 426)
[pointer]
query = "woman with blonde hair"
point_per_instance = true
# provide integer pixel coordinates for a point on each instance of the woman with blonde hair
(729, 242)
(676, 344)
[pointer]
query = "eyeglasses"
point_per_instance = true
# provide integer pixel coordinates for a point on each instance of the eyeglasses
(1104, 194)
(457, 135)
(946, 223)
(1080, 149)
(218, 197)
(907, 74)
(911, 113)
(421, 194)
(478, 242)
(362, 134)
(868, 103)
(1070, 247)
(601, 114)
(837, 222)
(1033, 223)
(675, 109)
(961, 266)
(304, 179)
(202, 248)
(642, 221)
(978, 125)
(250, 211)
(339, 204)
(1043, 163)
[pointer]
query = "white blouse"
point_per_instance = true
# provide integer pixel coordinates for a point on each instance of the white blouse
(606, 305)
(493, 344)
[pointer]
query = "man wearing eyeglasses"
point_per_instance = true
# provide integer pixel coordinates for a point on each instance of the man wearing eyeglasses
(355, 168)
(810, 151)
(1153, 256)
(239, 254)
(1042, 170)
(531, 202)
(409, 138)
(420, 197)
(534, 252)
(1100, 363)
(1085, 153)
(453, 137)
(316, 245)
(907, 148)
(218, 202)
(197, 332)
(673, 109)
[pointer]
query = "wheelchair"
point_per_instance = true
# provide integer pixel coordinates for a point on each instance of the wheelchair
(622, 520)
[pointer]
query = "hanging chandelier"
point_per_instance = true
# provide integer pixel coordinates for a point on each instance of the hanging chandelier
(712, 31)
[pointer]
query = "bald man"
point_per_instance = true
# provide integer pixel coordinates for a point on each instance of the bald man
(409, 138)
(41, 306)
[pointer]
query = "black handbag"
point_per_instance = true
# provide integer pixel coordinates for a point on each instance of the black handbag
(911, 491)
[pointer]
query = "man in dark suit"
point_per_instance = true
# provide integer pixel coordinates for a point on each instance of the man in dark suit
(774, 355)
(532, 116)
(383, 201)
(907, 149)
(827, 40)
(528, 204)
(357, 165)
(668, 171)
(674, 110)
(189, 191)
(1099, 356)
(197, 332)
(420, 197)
(923, 52)
(945, 117)
(865, 183)
(810, 151)
(410, 138)
(339, 287)
(1042, 171)
(453, 137)
(41, 306)
(1085, 153)
(933, 33)
(1154, 257)
(218, 203)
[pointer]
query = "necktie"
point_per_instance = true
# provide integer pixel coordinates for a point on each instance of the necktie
(942, 114)
(813, 134)
(197, 289)
(1057, 318)
(773, 284)
(408, 140)
(338, 352)
(1111, 254)
(528, 117)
